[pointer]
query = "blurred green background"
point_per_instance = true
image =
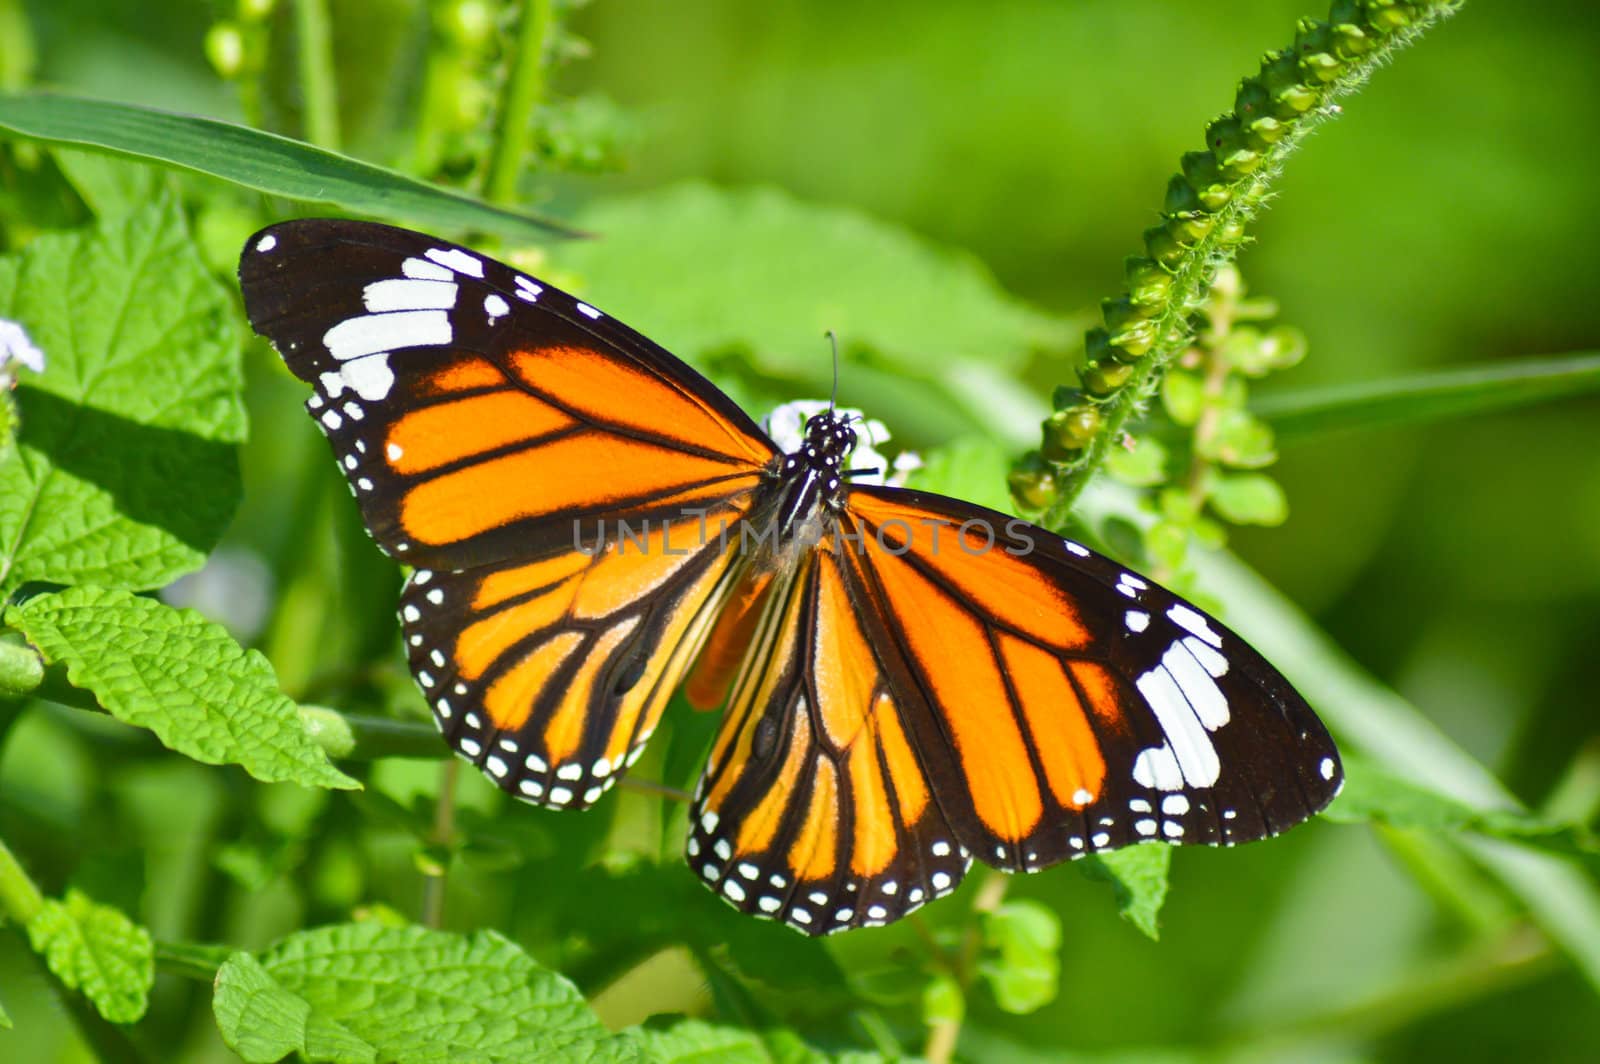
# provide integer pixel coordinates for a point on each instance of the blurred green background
(1447, 218)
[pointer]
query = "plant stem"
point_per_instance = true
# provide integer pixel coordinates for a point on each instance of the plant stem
(444, 825)
(20, 899)
(524, 92)
(318, 85)
(940, 1046)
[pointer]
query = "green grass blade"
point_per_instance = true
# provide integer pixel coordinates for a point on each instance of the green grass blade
(1430, 396)
(262, 161)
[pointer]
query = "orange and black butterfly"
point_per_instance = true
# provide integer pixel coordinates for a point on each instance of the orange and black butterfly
(909, 682)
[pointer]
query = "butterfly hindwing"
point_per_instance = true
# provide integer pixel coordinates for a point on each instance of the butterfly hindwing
(550, 675)
(815, 807)
(477, 413)
(1065, 705)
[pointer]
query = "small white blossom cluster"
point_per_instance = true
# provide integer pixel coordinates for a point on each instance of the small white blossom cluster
(16, 347)
(787, 427)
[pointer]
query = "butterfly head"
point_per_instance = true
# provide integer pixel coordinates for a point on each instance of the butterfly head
(829, 439)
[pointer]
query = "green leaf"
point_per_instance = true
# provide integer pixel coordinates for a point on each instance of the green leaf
(1024, 969)
(126, 468)
(265, 162)
(1372, 794)
(263, 1022)
(1138, 876)
(1241, 440)
(690, 1041)
(96, 949)
(1142, 466)
(772, 274)
(112, 187)
(412, 995)
(698, 1042)
(1430, 397)
(179, 675)
(1249, 499)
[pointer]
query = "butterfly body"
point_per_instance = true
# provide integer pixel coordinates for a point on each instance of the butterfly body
(908, 682)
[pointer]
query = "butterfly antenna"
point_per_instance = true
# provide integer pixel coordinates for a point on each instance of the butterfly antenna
(834, 340)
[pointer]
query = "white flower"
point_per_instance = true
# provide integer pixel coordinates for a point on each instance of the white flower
(787, 427)
(15, 346)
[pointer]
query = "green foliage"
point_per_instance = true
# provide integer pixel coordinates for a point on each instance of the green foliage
(179, 675)
(762, 257)
(1138, 875)
(356, 993)
(96, 949)
(1025, 938)
(123, 475)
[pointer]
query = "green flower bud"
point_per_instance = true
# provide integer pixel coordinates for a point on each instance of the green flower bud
(1231, 231)
(1226, 139)
(1121, 312)
(1067, 432)
(1181, 196)
(1162, 247)
(1264, 132)
(1102, 378)
(1147, 281)
(1205, 177)
(1064, 396)
(1281, 77)
(1190, 227)
(1386, 16)
(1032, 482)
(256, 10)
(1321, 67)
(1135, 337)
(1251, 101)
(1098, 347)
(1349, 42)
(224, 48)
(1345, 13)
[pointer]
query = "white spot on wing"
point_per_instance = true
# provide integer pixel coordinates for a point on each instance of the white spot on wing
(408, 294)
(369, 334)
(587, 311)
(457, 260)
(1326, 768)
(370, 376)
(1136, 620)
(423, 270)
(1186, 736)
(1189, 619)
(495, 306)
(267, 243)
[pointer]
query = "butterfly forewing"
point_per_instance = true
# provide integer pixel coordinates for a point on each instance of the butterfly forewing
(496, 431)
(479, 414)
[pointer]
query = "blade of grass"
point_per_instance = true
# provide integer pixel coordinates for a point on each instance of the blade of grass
(1429, 397)
(265, 162)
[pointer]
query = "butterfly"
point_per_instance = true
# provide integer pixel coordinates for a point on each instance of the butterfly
(909, 682)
